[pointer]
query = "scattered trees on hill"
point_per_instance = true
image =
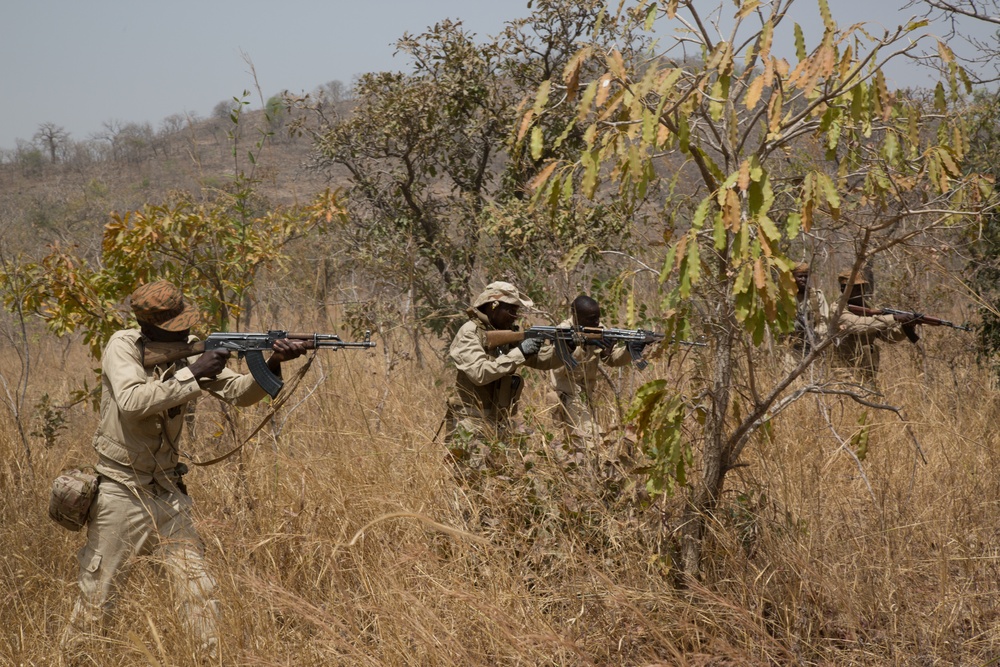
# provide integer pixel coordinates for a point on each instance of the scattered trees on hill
(52, 137)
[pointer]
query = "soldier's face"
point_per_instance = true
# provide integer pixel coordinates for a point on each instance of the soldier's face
(801, 280)
(587, 317)
(159, 335)
(858, 293)
(503, 315)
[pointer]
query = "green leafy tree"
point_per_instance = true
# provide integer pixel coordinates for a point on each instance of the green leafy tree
(436, 168)
(760, 147)
(212, 251)
(983, 267)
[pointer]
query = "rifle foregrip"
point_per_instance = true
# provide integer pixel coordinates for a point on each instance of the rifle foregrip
(267, 380)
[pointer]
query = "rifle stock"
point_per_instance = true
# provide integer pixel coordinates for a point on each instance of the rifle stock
(160, 354)
(500, 337)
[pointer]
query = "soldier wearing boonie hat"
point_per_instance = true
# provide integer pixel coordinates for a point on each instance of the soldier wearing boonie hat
(142, 502)
(845, 276)
(487, 384)
(857, 357)
(502, 292)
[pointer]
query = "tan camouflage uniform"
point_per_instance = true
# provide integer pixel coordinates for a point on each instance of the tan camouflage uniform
(576, 389)
(487, 385)
(142, 504)
(856, 355)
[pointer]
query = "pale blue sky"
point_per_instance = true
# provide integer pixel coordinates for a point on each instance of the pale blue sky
(79, 64)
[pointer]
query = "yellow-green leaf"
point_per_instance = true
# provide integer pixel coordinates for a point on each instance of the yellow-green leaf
(800, 43)
(586, 100)
(650, 16)
(536, 143)
(571, 259)
(542, 97)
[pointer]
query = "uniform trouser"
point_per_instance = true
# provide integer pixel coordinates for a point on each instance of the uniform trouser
(469, 438)
(125, 523)
(575, 415)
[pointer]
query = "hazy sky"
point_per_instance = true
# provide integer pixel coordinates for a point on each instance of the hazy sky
(79, 64)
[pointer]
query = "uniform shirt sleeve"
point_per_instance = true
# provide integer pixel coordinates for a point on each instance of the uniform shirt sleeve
(133, 391)
(822, 309)
(469, 357)
(237, 388)
(620, 356)
(547, 359)
(884, 326)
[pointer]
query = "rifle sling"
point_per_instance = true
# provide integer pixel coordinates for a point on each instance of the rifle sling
(289, 388)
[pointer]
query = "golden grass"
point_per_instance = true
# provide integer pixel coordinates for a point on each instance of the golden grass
(340, 536)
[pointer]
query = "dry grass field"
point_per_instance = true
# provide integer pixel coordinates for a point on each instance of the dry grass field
(340, 536)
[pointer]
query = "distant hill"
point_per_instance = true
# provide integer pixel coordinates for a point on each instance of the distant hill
(68, 199)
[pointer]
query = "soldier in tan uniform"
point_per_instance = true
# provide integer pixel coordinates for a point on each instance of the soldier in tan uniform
(487, 383)
(142, 504)
(812, 318)
(576, 388)
(856, 355)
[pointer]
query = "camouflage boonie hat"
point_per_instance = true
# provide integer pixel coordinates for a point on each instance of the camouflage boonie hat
(801, 267)
(845, 275)
(162, 305)
(501, 291)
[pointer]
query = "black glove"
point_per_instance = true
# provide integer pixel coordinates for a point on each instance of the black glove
(530, 346)
(603, 345)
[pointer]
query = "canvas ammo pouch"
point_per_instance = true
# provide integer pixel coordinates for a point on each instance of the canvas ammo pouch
(72, 493)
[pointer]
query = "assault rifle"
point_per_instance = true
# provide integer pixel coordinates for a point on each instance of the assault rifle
(567, 338)
(250, 346)
(912, 318)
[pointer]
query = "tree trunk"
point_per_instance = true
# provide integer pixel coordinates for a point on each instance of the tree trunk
(703, 498)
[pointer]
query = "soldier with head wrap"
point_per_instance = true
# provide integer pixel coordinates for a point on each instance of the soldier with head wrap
(811, 319)
(142, 503)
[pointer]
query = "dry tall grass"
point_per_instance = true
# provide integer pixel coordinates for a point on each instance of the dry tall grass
(341, 537)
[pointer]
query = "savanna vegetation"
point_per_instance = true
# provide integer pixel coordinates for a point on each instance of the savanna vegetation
(675, 161)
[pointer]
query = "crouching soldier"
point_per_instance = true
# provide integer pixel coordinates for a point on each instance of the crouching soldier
(487, 383)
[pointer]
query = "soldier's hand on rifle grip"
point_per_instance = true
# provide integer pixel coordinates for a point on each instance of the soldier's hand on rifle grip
(639, 348)
(210, 364)
(285, 349)
(530, 346)
(605, 346)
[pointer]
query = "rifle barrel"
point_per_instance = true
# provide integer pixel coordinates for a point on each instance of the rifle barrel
(918, 318)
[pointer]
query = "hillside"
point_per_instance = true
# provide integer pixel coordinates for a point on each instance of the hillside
(69, 200)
